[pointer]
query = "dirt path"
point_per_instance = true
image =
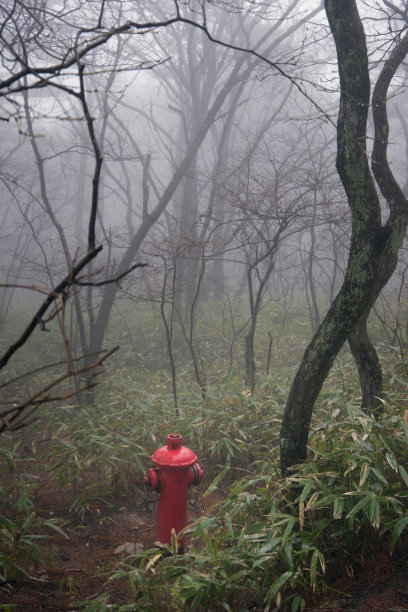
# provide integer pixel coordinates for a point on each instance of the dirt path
(78, 565)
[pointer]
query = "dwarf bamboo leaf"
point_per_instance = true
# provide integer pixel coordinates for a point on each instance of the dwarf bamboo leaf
(213, 486)
(312, 500)
(361, 504)
(379, 476)
(288, 530)
(8, 457)
(404, 474)
(174, 544)
(288, 554)
(229, 525)
(398, 528)
(277, 585)
(358, 440)
(365, 468)
(28, 522)
(301, 515)
(385, 443)
(392, 461)
(313, 569)
(298, 602)
(338, 507)
(375, 512)
(306, 490)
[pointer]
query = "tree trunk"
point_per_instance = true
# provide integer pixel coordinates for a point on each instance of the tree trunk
(369, 369)
(250, 367)
(344, 313)
(187, 246)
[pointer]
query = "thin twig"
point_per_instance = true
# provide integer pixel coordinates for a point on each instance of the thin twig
(110, 280)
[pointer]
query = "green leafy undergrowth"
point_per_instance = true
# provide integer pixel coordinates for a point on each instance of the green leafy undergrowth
(104, 450)
(22, 531)
(271, 542)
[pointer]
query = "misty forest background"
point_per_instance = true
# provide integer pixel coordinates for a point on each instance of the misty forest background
(169, 187)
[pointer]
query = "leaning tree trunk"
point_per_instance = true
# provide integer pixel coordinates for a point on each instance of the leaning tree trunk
(374, 249)
(345, 311)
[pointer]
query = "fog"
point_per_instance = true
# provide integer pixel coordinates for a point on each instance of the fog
(198, 139)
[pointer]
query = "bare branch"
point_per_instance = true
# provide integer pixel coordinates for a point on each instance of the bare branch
(16, 417)
(63, 285)
(111, 280)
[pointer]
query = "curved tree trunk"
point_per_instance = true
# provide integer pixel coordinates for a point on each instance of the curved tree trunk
(374, 249)
(344, 313)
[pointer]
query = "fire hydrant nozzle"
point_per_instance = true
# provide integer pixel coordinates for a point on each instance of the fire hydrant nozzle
(151, 479)
(176, 469)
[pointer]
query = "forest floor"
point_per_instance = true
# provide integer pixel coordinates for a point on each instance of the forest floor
(380, 585)
(76, 568)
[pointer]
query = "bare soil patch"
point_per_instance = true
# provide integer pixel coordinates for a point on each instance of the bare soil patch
(378, 585)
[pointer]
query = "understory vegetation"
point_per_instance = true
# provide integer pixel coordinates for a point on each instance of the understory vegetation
(267, 542)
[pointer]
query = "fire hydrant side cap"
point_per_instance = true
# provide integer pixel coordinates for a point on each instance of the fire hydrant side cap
(174, 455)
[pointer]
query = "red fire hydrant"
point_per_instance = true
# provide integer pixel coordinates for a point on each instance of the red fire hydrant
(176, 469)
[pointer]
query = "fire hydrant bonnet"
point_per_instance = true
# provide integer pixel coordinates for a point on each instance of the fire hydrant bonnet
(174, 455)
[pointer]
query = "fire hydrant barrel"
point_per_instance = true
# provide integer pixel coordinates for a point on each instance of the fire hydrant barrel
(176, 469)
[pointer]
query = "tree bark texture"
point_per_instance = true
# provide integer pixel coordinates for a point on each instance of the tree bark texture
(369, 369)
(374, 249)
